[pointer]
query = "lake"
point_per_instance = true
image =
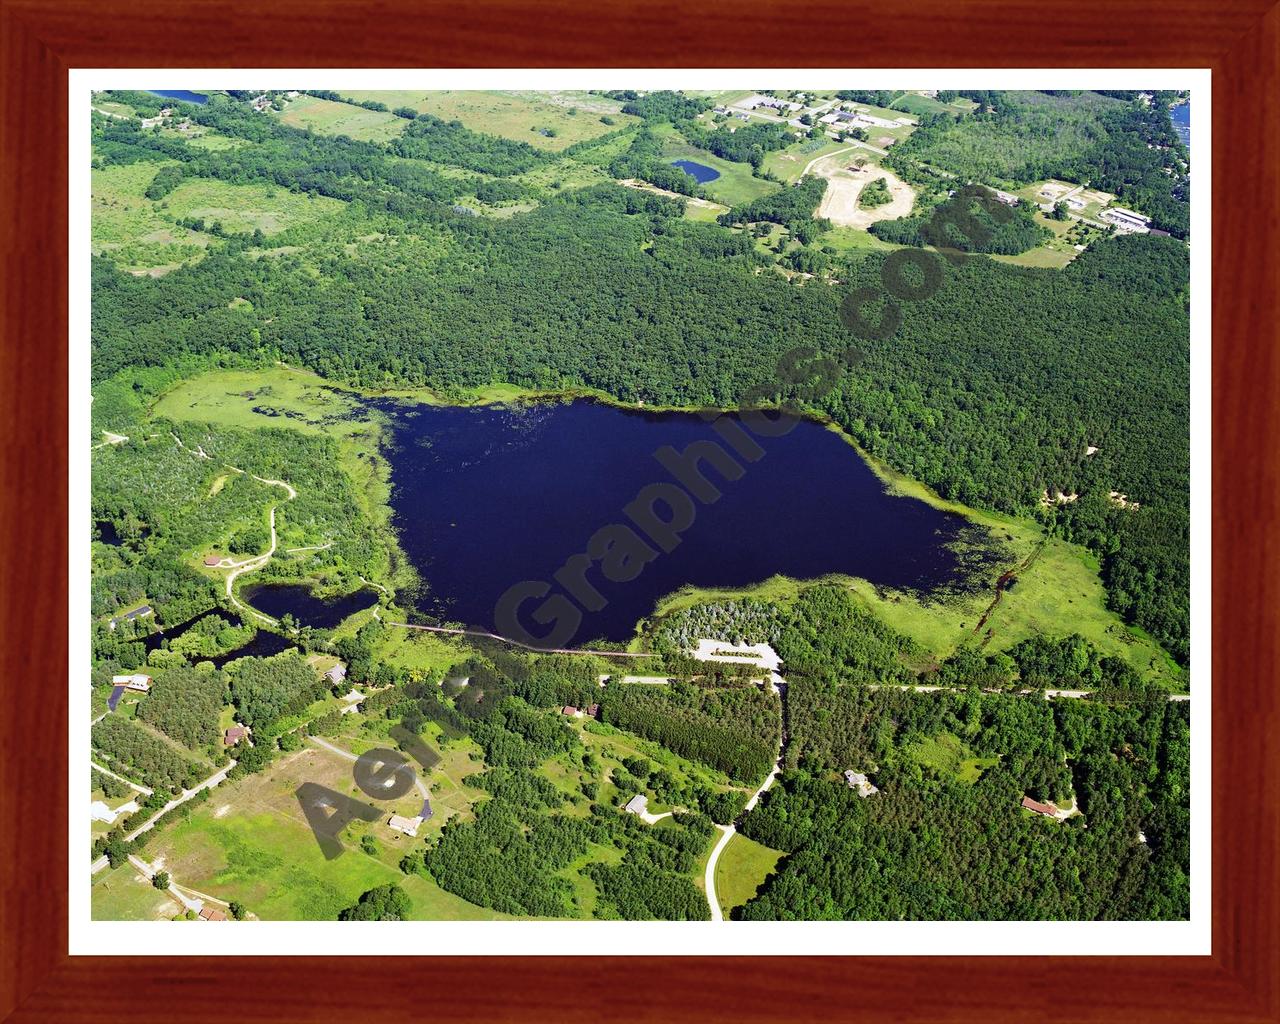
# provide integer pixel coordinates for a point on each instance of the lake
(1181, 116)
(701, 173)
(180, 94)
(490, 497)
(277, 599)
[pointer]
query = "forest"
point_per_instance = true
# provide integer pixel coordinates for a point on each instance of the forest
(972, 221)
(734, 730)
(793, 208)
(946, 837)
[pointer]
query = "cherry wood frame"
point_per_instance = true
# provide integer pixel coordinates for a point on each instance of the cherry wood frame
(41, 39)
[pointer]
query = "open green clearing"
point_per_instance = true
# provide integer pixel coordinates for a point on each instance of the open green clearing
(123, 894)
(250, 843)
(332, 118)
(742, 868)
(947, 754)
(522, 116)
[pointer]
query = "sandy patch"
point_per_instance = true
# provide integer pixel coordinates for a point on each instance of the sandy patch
(845, 182)
(221, 812)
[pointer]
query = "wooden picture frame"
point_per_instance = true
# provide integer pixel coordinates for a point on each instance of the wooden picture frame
(41, 39)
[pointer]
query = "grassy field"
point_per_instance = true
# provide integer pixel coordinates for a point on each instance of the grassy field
(947, 754)
(743, 866)
(142, 235)
(522, 116)
(244, 208)
(736, 183)
(327, 117)
(788, 164)
(123, 894)
(251, 843)
(128, 225)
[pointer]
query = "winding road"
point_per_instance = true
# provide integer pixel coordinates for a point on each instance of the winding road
(727, 832)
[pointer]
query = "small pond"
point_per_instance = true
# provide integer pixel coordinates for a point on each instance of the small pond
(298, 600)
(700, 173)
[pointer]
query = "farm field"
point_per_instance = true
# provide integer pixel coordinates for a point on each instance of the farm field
(520, 116)
(743, 865)
(332, 118)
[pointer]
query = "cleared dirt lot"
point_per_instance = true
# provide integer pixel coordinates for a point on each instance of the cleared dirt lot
(840, 204)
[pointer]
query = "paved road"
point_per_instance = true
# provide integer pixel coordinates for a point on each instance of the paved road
(217, 778)
(121, 778)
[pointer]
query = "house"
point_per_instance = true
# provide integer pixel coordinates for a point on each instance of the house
(409, 826)
(1048, 810)
(638, 804)
(234, 735)
(593, 711)
(211, 561)
(137, 681)
(1008, 198)
(137, 613)
(859, 782)
(570, 711)
(336, 674)
(211, 914)
(99, 811)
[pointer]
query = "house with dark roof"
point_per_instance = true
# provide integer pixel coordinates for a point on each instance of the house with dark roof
(137, 613)
(234, 735)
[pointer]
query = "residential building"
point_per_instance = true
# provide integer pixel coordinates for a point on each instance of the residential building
(1048, 810)
(137, 613)
(859, 782)
(638, 804)
(409, 826)
(136, 681)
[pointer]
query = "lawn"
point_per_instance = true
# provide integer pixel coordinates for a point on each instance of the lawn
(327, 117)
(123, 894)
(523, 116)
(743, 866)
(250, 842)
(788, 164)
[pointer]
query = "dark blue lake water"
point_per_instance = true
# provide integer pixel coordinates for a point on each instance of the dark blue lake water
(701, 172)
(1181, 116)
(180, 94)
(277, 599)
(485, 498)
(263, 644)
